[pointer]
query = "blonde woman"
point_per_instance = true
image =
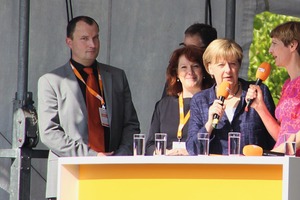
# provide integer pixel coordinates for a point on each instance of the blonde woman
(222, 60)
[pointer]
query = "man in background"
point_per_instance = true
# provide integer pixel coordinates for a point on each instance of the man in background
(84, 107)
(200, 35)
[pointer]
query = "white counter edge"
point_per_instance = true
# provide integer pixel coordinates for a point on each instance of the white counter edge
(264, 160)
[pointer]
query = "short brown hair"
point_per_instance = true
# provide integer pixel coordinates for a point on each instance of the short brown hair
(287, 32)
(193, 54)
(72, 24)
(206, 32)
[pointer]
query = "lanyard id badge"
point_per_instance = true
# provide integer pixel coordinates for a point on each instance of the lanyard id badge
(103, 116)
(178, 145)
(182, 119)
(102, 111)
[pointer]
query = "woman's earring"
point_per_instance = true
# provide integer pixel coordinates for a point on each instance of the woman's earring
(177, 80)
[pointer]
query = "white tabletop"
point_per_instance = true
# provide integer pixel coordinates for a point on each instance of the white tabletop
(178, 160)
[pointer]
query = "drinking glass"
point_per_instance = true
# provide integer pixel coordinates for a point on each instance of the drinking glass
(234, 143)
(203, 140)
(139, 144)
(160, 144)
(290, 144)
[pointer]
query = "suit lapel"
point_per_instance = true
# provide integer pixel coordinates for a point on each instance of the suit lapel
(72, 83)
(107, 86)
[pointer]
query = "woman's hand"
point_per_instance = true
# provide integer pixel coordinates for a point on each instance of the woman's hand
(105, 154)
(254, 93)
(177, 152)
(280, 148)
(218, 108)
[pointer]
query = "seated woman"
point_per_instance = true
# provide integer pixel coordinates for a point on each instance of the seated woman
(186, 76)
(222, 60)
(285, 49)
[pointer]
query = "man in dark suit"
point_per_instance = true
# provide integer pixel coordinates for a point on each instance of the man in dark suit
(62, 110)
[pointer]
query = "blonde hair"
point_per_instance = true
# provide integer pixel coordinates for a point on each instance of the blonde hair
(222, 49)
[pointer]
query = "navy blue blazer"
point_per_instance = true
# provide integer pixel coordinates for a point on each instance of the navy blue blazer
(248, 123)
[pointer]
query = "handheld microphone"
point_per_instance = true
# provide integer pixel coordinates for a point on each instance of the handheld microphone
(262, 74)
(222, 94)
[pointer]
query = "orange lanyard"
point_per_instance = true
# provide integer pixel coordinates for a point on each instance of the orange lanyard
(93, 92)
(182, 119)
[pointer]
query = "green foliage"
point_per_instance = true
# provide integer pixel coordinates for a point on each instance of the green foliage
(259, 51)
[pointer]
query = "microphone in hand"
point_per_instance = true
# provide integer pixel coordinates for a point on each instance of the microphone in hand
(262, 74)
(222, 94)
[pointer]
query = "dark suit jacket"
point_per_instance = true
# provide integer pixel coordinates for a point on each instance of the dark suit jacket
(62, 116)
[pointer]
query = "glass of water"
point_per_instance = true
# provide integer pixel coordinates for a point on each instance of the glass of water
(203, 140)
(290, 144)
(139, 144)
(234, 143)
(160, 144)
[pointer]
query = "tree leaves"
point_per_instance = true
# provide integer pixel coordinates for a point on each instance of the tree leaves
(259, 51)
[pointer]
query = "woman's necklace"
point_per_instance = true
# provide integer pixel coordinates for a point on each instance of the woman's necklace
(233, 95)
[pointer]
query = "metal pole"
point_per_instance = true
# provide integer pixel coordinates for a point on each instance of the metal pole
(109, 31)
(230, 19)
(25, 133)
(20, 168)
(23, 50)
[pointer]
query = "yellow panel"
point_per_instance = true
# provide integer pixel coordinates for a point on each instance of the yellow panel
(179, 189)
(208, 171)
(180, 181)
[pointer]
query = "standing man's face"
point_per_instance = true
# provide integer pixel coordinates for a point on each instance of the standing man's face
(193, 40)
(85, 43)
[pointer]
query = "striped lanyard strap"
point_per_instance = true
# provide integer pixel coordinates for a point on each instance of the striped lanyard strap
(182, 119)
(93, 92)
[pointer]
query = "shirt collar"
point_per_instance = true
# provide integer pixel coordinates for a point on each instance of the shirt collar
(80, 67)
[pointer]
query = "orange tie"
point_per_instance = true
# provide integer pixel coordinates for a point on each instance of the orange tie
(96, 130)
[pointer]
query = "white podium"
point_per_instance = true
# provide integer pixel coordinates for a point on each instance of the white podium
(179, 177)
